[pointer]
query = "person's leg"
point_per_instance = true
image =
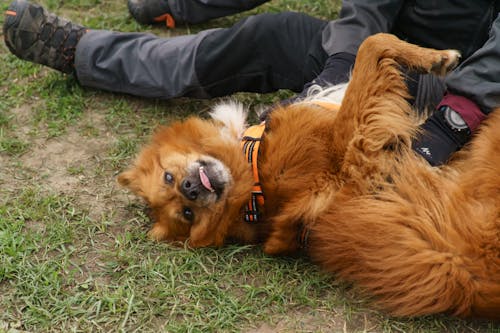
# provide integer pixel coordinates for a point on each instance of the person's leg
(262, 53)
(257, 54)
(139, 64)
(254, 55)
(186, 11)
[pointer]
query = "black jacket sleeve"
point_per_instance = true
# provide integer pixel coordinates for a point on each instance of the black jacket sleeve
(478, 77)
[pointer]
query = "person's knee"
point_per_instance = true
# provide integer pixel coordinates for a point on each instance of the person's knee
(271, 25)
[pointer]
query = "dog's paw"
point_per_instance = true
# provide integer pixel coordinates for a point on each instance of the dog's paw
(157, 233)
(279, 246)
(446, 61)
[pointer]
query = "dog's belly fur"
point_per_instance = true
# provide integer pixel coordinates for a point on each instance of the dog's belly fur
(297, 172)
(297, 165)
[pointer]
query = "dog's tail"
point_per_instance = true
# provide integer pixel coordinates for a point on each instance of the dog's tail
(233, 116)
(415, 256)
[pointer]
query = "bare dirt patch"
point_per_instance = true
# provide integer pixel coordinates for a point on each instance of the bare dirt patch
(54, 159)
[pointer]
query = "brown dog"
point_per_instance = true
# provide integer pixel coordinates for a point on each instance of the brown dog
(422, 240)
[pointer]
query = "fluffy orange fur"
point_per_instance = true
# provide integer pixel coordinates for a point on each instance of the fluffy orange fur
(421, 240)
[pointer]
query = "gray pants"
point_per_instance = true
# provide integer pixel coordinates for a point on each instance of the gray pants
(257, 54)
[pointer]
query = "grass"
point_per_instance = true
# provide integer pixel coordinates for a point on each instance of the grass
(73, 251)
(57, 272)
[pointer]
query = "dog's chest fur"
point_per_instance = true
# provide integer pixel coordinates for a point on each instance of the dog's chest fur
(295, 162)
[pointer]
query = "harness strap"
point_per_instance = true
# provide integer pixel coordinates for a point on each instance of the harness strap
(250, 144)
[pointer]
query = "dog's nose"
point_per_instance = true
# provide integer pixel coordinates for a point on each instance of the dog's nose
(188, 190)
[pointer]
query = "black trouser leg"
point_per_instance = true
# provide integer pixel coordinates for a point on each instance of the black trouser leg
(261, 53)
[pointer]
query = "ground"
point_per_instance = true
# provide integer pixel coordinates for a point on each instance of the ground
(73, 250)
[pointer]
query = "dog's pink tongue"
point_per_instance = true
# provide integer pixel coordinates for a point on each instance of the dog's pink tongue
(205, 181)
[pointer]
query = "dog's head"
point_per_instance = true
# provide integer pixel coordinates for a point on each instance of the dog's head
(194, 177)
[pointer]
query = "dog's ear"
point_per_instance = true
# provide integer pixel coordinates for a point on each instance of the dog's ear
(233, 117)
(144, 164)
(126, 178)
(129, 179)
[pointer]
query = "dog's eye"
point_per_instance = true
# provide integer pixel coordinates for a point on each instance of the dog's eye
(168, 177)
(188, 214)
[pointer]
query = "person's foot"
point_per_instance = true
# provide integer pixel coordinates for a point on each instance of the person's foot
(33, 34)
(151, 11)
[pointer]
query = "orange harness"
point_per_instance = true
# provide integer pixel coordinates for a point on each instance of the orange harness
(250, 144)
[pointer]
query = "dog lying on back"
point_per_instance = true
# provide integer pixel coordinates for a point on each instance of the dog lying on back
(421, 240)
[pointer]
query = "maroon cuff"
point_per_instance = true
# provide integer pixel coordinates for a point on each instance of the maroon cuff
(469, 110)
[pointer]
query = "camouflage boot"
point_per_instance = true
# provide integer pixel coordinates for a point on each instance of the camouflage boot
(33, 34)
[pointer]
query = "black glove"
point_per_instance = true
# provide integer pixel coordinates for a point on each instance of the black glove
(337, 70)
(444, 132)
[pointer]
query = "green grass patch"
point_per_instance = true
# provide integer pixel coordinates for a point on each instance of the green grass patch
(63, 103)
(12, 145)
(47, 246)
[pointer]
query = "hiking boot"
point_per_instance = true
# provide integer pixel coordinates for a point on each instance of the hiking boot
(33, 34)
(151, 11)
